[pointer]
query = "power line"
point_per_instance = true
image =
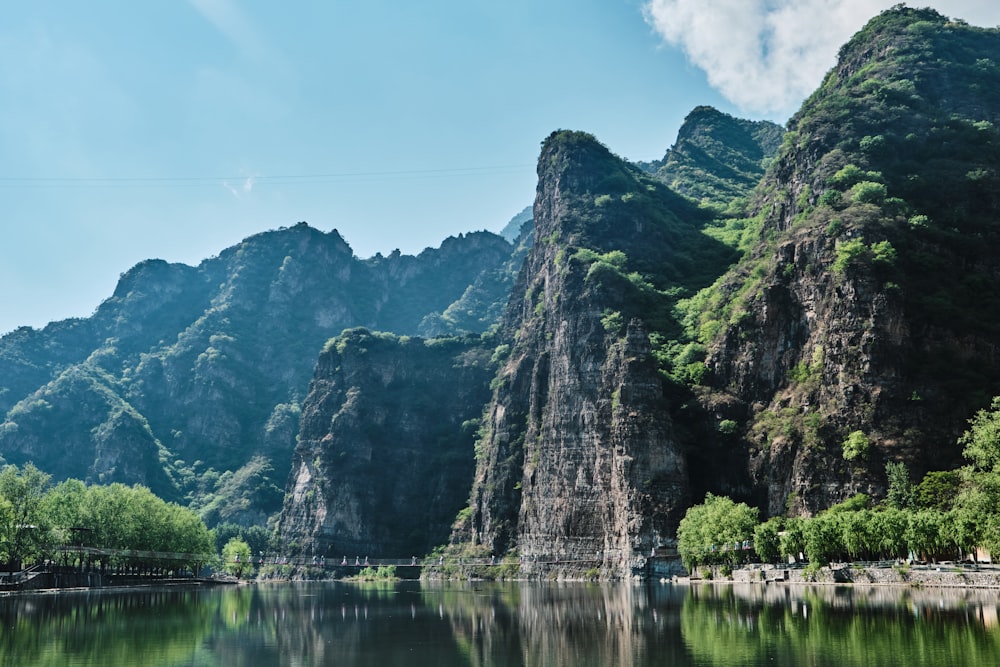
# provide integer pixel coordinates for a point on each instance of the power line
(255, 180)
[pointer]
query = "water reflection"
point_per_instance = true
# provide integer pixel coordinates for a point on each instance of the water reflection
(840, 626)
(503, 624)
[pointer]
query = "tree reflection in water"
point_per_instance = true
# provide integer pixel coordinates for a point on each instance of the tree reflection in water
(485, 624)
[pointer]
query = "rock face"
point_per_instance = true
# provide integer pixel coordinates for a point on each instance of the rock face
(578, 458)
(385, 451)
(869, 302)
(189, 379)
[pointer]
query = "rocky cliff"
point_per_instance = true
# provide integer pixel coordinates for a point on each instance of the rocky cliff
(385, 451)
(578, 457)
(868, 303)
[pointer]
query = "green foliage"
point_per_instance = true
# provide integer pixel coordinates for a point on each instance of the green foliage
(767, 540)
(823, 539)
(868, 192)
(850, 176)
(792, 542)
(981, 442)
(833, 199)
(22, 493)
(236, 558)
(713, 532)
(901, 494)
(849, 252)
(258, 538)
(856, 503)
(883, 252)
(856, 446)
(613, 323)
(938, 490)
(380, 573)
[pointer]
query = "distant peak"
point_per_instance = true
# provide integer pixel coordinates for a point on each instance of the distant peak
(576, 155)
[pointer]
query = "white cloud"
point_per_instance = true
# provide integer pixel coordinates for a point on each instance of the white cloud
(766, 56)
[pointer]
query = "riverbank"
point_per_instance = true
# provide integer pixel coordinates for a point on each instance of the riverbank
(48, 582)
(878, 574)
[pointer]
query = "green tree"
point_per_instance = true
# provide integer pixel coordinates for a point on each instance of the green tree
(21, 529)
(924, 532)
(849, 252)
(868, 192)
(236, 557)
(857, 533)
(939, 489)
(715, 530)
(856, 446)
(981, 443)
(890, 527)
(793, 541)
(766, 540)
(901, 494)
(823, 539)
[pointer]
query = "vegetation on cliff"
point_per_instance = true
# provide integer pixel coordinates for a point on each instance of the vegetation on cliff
(855, 315)
(717, 159)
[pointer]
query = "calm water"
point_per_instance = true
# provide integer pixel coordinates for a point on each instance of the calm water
(504, 624)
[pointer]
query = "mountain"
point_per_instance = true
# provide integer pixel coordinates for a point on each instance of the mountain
(515, 228)
(189, 379)
(774, 323)
(869, 301)
(578, 455)
(717, 158)
(385, 449)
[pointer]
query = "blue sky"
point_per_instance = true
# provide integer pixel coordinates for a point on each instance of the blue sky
(173, 129)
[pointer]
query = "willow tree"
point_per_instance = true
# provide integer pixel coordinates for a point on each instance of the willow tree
(716, 531)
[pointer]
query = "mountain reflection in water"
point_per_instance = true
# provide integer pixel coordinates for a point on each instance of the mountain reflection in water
(485, 624)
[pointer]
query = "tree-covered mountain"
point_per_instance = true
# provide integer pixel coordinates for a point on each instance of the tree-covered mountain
(866, 310)
(717, 158)
(189, 379)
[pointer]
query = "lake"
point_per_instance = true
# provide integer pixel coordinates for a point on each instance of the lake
(485, 624)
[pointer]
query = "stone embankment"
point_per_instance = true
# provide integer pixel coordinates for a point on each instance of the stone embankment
(945, 575)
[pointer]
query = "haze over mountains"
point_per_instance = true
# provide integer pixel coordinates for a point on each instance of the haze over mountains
(719, 320)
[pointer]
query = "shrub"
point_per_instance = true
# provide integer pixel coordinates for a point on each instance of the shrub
(883, 252)
(868, 192)
(856, 446)
(849, 252)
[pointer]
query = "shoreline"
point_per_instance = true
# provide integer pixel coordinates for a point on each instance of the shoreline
(984, 577)
(191, 583)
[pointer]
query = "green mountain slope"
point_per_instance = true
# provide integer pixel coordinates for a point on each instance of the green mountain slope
(717, 158)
